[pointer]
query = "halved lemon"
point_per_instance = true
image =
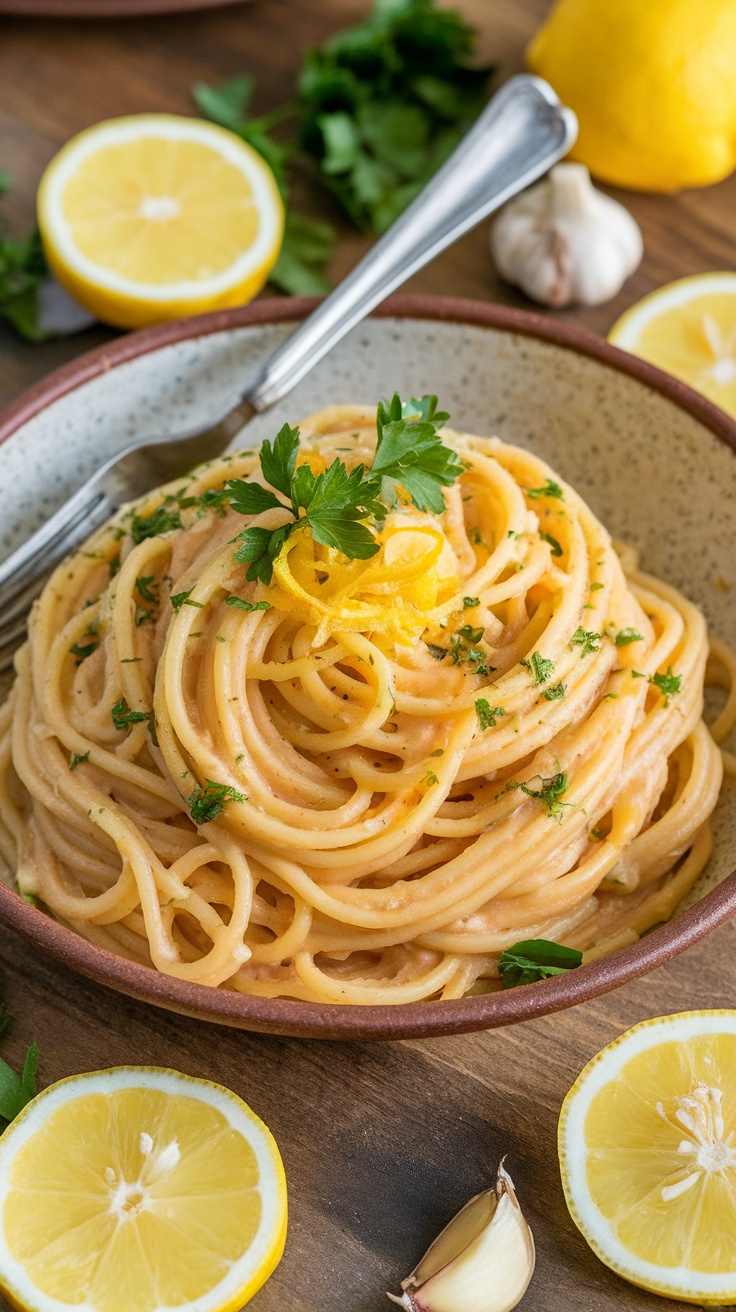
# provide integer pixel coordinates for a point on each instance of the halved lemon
(138, 1189)
(688, 328)
(154, 217)
(647, 1143)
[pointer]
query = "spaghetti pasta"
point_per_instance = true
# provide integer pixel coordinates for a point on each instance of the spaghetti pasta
(361, 781)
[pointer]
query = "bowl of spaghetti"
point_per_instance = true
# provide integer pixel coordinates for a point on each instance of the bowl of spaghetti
(320, 738)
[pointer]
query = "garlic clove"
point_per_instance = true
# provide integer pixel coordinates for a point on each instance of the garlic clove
(481, 1262)
(564, 242)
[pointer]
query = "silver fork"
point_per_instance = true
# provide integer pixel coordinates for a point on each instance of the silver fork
(521, 133)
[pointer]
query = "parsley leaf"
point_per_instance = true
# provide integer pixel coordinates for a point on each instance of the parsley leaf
(586, 640)
(470, 602)
(17, 1090)
(182, 599)
(668, 684)
(554, 544)
(161, 520)
(472, 635)
(123, 718)
(439, 653)
(539, 666)
(535, 959)
(144, 589)
(554, 694)
(75, 759)
(550, 489)
(550, 793)
(487, 714)
(241, 604)
(625, 636)
(278, 462)
(83, 650)
(207, 802)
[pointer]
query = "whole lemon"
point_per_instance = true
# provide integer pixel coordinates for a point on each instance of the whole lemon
(653, 83)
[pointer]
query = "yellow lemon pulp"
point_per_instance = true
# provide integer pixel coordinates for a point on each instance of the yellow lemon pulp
(138, 1189)
(688, 328)
(151, 217)
(648, 1155)
(652, 85)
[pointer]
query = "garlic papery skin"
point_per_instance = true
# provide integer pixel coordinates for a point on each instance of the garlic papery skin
(481, 1262)
(565, 243)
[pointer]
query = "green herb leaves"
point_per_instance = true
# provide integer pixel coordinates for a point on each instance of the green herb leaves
(183, 599)
(411, 452)
(241, 604)
(534, 959)
(336, 503)
(549, 792)
(162, 520)
(586, 641)
(207, 802)
(539, 666)
(625, 636)
(487, 714)
(124, 718)
(384, 103)
(668, 684)
(552, 542)
(22, 268)
(550, 489)
(75, 759)
(17, 1090)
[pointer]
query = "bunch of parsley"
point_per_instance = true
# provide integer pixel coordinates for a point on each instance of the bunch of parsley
(22, 266)
(379, 108)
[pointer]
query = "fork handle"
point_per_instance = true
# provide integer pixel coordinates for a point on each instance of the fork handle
(520, 134)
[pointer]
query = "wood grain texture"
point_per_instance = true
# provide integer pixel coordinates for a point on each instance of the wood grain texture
(381, 1142)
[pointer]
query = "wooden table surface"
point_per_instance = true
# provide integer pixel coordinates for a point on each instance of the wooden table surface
(382, 1143)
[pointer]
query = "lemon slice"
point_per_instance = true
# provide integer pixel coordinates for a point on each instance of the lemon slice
(647, 1143)
(138, 1189)
(688, 328)
(154, 217)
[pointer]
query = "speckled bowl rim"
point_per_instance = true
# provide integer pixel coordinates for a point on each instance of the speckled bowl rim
(416, 1019)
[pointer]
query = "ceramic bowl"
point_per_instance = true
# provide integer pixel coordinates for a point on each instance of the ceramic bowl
(654, 460)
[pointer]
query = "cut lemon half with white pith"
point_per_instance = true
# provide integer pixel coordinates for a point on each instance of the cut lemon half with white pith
(688, 328)
(647, 1143)
(153, 217)
(138, 1188)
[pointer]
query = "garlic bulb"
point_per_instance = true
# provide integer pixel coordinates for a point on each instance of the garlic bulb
(564, 243)
(481, 1262)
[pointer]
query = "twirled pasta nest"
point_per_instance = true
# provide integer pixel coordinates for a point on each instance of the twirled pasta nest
(397, 767)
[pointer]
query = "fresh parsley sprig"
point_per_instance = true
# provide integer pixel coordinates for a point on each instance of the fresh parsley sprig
(534, 959)
(336, 504)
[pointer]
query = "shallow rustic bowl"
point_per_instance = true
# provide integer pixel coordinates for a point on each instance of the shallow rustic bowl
(654, 460)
